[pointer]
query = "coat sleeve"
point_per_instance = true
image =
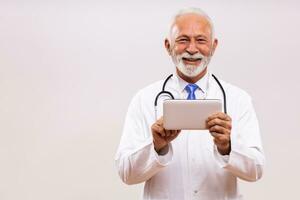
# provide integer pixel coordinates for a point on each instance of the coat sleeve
(136, 160)
(246, 159)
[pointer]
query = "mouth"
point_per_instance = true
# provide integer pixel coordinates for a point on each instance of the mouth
(191, 60)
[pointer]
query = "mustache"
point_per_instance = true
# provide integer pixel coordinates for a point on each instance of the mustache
(194, 56)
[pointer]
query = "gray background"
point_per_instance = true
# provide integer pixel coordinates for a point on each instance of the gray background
(68, 70)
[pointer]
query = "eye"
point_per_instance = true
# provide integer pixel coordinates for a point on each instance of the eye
(201, 40)
(182, 40)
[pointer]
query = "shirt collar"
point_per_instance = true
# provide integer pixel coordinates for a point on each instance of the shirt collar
(202, 83)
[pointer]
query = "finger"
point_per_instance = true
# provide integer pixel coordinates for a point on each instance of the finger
(217, 138)
(158, 140)
(168, 133)
(219, 115)
(156, 136)
(220, 122)
(214, 115)
(221, 143)
(215, 135)
(222, 116)
(162, 131)
(172, 137)
(219, 129)
(172, 133)
(159, 130)
(220, 140)
(177, 132)
(160, 121)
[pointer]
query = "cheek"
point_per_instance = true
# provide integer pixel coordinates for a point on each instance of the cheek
(205, 50)
(179, 49)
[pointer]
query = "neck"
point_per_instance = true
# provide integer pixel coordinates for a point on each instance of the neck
(191, 79)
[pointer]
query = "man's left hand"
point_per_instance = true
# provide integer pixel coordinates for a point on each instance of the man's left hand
(219, 126)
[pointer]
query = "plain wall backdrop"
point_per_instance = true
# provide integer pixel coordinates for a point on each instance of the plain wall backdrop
(68, 70)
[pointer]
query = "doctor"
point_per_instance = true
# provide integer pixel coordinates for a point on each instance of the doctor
(185, 164)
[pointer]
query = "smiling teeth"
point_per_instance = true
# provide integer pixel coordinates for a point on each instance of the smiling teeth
(192, 59)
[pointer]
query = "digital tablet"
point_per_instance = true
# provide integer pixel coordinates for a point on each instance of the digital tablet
(189, 114)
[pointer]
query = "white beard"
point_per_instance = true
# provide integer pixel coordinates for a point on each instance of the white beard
(190, 70)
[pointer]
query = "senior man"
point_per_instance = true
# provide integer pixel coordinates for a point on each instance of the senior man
(198, 164)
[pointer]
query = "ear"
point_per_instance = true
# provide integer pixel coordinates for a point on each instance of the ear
(214, 46)
(168, 46)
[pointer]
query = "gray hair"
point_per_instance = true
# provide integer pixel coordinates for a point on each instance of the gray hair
(196, 11)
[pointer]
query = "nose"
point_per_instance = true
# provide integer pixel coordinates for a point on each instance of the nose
(192, 49)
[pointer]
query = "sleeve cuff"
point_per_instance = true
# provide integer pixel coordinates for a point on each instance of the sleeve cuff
(163, 159)
(221, 160)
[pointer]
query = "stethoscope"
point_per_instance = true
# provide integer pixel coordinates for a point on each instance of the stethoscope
(163, 91)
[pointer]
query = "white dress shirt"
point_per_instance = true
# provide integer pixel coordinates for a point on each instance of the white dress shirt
(193, 167)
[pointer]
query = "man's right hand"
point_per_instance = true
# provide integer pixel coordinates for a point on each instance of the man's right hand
(161, 136)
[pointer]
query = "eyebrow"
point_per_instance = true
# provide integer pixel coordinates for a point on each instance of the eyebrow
(181, 36)
(186, 36)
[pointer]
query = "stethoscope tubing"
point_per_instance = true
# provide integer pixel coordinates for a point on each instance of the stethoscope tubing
(163, 91)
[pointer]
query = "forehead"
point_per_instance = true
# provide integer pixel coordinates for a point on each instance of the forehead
(191, 25)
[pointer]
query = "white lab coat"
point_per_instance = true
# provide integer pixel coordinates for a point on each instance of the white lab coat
(192, 168)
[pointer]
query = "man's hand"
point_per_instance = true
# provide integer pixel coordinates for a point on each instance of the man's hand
(219, 125)
(162, 137)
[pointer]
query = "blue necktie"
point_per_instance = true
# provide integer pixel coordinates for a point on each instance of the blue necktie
(191, 88)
